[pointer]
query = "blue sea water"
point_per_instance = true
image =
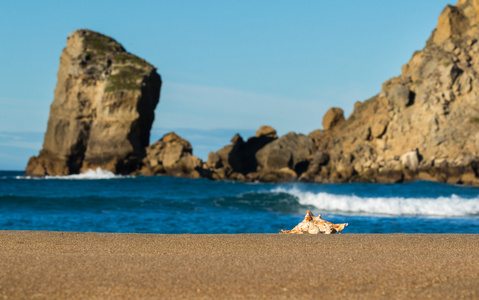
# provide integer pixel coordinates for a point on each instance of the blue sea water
(102, 202)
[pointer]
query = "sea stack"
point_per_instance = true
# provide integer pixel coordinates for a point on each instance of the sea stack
(102, 111)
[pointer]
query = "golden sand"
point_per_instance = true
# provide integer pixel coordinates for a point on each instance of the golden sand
(37, 265)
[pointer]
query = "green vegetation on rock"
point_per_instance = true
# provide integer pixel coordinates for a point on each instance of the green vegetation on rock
(129, 58)
(101, 43)
(475, 120)
(127, 78)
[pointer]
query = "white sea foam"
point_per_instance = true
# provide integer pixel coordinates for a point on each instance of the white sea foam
(453, 206)
(88, 175)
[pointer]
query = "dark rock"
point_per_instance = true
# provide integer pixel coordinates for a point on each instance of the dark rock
(240, 156)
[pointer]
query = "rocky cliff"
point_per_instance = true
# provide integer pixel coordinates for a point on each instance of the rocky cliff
(424, 124)
(102, 111)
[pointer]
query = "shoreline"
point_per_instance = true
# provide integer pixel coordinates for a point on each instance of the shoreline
(74, 265)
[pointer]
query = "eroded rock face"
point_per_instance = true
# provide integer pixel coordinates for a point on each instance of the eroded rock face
(102, 111)
(423, 124)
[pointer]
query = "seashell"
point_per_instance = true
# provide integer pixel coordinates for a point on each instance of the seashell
(315, 225)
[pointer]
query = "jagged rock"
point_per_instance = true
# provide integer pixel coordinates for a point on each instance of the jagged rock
(173, 156)
(333, 117)
(263, 157)
(102, 111)
(237, 139)
(452, 22)
(239, 157)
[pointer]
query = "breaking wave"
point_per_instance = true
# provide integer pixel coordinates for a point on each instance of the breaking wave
(88, 175)
(453, 206)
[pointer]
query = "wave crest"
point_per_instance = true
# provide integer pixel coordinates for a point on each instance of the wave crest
(453, 206)
(88, 175)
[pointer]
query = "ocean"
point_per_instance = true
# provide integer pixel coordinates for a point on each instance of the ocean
(99, 201)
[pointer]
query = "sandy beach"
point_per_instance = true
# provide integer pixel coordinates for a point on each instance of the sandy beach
(38, 264)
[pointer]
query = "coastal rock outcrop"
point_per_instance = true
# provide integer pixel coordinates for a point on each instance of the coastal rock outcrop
(264, 157)
(172, 156)
(102, 111)
(423, 125)
(285, 158)
(237, 161)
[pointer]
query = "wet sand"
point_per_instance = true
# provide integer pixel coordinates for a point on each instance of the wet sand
(37, 265)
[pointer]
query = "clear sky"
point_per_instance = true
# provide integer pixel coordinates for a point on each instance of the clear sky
(227, 66)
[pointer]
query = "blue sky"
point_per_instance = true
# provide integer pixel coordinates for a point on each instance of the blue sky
(227, 66)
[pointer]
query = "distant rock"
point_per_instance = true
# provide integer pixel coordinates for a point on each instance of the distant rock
(263, 157)
(291, 151)
(172, 156)
(102, 111)
(266, 131)
(238, 160)
(333, 117)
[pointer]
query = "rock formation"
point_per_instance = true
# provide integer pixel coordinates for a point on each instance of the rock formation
(172, 156)
(424, 124)
(264, 157)
(238, 160)
(285, 158)
(102, 111)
